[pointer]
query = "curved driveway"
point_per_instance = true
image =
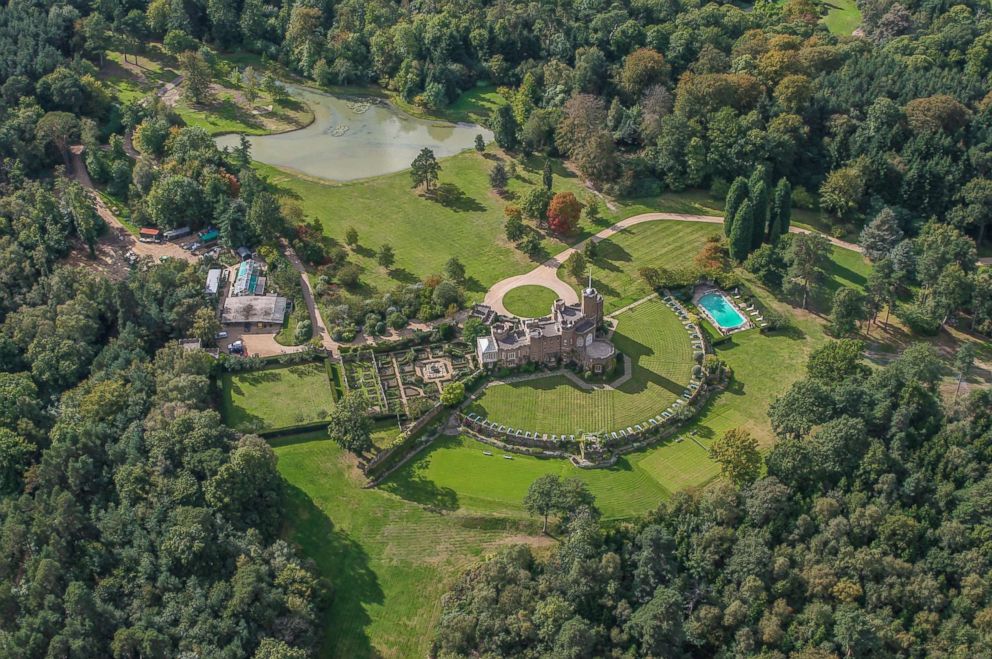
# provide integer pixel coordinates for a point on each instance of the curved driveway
(546, 274)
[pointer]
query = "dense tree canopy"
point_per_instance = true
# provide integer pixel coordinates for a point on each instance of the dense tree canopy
(864, 538)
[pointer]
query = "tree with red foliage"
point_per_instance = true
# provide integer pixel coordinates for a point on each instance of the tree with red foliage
(563, 213)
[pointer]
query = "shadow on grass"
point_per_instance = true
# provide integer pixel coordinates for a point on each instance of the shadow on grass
(473, 285)
(453, 198)
(345, 564)
(408, 483)
(363, 251)
(403, 276)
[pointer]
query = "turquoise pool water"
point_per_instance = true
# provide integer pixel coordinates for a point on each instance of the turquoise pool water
(721, 311)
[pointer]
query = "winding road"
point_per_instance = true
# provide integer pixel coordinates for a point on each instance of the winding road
(546, 274)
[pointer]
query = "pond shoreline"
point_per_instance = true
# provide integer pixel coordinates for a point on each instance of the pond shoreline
(353, 137)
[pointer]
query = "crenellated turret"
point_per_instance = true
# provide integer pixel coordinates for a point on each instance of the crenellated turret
(592, 303)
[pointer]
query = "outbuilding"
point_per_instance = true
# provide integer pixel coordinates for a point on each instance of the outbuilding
(213, 281)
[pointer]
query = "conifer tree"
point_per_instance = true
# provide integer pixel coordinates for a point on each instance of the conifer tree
(735, 196)
(742, 231)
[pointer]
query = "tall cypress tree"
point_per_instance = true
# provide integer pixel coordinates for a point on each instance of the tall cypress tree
(760, 206)
(742, 231)
(735, 197)
(781, 208)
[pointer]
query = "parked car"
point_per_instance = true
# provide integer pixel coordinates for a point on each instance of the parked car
(220, 335)
(194, 246)
(236, 348)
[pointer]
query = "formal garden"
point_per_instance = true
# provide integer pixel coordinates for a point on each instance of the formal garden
(661, 353)
(407, 381)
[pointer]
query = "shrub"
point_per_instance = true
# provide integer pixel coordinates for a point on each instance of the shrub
(918, 319)
(453, 394)
(801, 198)
(303, 330)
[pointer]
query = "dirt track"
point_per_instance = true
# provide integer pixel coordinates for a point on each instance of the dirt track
(118, 237)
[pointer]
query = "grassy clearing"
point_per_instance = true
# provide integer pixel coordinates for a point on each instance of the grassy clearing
(663, 243)
(389, 560)
(455, 474)
(276, 397)
(529, 301)
(424, 231)
(659, 349)
(847, 268)
(842, 17)
(473, 106)
(228, 111)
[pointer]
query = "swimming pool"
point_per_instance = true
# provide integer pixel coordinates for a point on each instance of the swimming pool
(721, 311)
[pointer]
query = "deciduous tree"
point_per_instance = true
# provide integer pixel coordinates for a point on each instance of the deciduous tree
(350, 425)
(564, 212)
(737, 454)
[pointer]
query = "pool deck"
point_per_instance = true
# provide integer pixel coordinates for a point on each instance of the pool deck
(749, 317)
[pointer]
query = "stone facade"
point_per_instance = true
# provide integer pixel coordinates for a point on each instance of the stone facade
(567, 334)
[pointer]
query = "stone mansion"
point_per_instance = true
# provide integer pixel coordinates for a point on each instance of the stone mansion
(568, 334)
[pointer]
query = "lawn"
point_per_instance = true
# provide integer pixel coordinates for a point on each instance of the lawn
(529, 301)
(473, 106)
(425, 231)
(618, 258)
(226, 112)
(276, 397)
(659, 349)
(388, 560)
(842, 16)
(455, 474)
(847, 268)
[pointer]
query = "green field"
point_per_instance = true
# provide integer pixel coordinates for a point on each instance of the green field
(227, 112)
(425, 232)
(529, 301)
(388, 560)
(842, 16)
(276, 397)
(659, 349)
(847, 268)
(391, 552)
(651, 244)
(455, 474)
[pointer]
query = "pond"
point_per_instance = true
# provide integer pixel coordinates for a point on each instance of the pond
(353, 138)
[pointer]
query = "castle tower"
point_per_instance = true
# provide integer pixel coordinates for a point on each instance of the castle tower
(592, 303)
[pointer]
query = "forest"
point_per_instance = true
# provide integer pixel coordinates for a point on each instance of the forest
(133, 523)
(864, 535)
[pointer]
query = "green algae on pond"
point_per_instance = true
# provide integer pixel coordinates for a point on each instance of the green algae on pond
(356, 138)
